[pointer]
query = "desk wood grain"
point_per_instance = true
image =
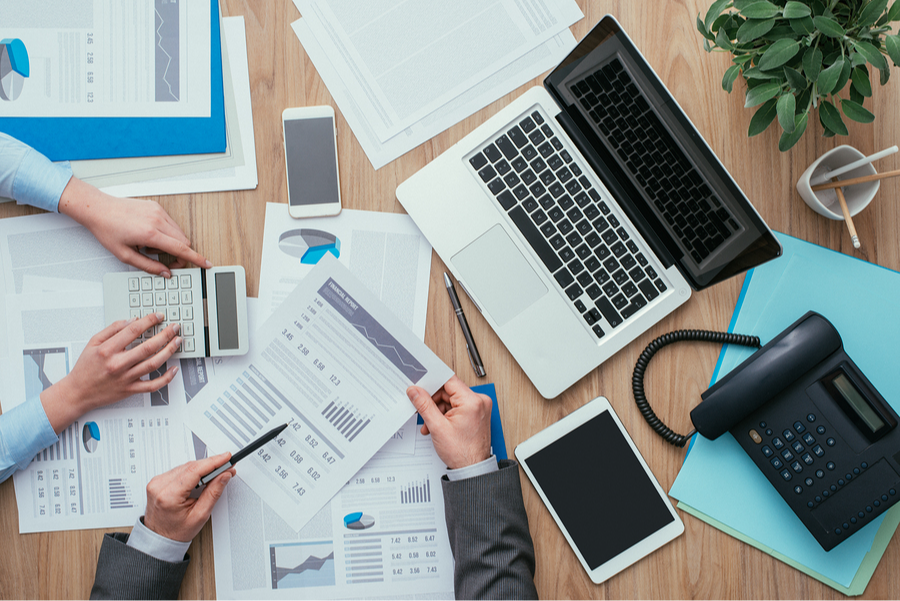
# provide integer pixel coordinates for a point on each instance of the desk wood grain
(704, 562)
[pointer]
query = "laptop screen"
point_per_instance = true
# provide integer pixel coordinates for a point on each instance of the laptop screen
(654, 162)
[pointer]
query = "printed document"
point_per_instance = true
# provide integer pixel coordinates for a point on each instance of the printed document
(401, 62)
(333, 363)
(96, 58)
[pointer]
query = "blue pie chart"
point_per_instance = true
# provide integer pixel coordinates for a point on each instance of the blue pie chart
(309, 245)
(358, 521)
(14, 68)
(90, 436)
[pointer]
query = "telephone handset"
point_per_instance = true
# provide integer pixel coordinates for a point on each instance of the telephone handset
(813, 424)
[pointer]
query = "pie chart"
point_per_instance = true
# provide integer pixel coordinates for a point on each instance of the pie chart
(13, 68)
(358, 521)
(90, 436)
(309, 245)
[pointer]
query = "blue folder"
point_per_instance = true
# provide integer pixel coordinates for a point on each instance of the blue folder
(81, 138)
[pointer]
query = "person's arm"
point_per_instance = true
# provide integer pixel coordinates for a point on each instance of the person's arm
(122, 225)
(483, 505)
(150, 563)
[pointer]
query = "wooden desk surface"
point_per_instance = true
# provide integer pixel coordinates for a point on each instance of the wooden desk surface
(704, 562)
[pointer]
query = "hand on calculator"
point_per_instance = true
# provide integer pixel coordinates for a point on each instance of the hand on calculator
(110, 368)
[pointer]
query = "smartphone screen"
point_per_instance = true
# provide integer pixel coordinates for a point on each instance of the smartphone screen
(311, 161)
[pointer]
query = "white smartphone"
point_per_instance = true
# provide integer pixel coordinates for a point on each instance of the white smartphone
(310, 153)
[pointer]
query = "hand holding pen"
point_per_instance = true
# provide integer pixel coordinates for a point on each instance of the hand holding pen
(250, 448)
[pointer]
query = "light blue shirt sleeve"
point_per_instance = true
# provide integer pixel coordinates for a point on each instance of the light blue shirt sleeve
(24, 430)
(156, 545)
(28, 177)
(476, 469)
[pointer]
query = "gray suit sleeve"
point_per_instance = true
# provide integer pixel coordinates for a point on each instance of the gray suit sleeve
(489, 536)
(123, 572)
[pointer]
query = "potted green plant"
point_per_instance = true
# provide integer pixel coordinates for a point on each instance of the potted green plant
(798, 56)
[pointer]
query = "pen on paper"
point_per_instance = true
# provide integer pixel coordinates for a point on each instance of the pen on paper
(474, 357)
(253, 446)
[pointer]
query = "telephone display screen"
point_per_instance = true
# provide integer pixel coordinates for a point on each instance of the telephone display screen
(856, 402)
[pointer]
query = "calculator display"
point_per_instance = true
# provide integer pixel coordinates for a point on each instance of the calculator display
(226, 311)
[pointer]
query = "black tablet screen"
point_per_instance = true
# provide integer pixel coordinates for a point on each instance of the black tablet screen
(599, 490)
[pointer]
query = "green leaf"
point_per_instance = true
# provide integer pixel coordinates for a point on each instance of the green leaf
(818, 7)
(812, 62)
(856, 111)
(780, 32)
(855, 96)
(778, 53)
(796, 10)
(730, 75)
(742, 60)
(892, 44)
(894, 13)
(860, 79)
(803, 26)
(760, 10)
(720, 22)
(795, 79)
(885, 75)
(762, 118)
(829, 77)
(722, 40)
(714, 11)
(843, 78)
(753, 29)
(789, 139)
(785, 108)
(828, 27)
(755, 73)
(702, 29)
(761, 93)
(857, 59)
(871, 12)
(871, 53)
(831, 117)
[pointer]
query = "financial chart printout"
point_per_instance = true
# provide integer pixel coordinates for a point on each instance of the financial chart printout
(333, 363)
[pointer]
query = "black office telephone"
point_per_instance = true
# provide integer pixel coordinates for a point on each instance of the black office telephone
(810, 420)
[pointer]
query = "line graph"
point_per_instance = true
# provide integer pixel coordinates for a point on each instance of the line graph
(168, 65)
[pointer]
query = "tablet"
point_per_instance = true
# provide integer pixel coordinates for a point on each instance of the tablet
(599, 490)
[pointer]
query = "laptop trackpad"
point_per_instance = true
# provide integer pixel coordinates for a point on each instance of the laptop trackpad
(497, 274)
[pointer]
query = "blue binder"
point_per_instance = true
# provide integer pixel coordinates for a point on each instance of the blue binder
(80, 138)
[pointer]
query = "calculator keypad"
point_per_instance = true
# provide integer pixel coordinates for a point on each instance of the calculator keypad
(174, 298)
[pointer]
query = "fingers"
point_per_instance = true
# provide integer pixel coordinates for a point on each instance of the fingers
(180, 250)
(194, 470)
(426, 407)
(109, 331)
(143, 262)
(132, 330)
(151, 354)
(145, 386)
(213, 492)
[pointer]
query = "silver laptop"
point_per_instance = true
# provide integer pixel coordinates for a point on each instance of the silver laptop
(584, 212)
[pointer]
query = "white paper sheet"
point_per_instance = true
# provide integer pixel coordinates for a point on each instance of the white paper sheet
(386, 251)
(237, 177)
(334, 363)
(95, 58)
(95, 476)
(504, 81)
(398, 547)
(403, 62)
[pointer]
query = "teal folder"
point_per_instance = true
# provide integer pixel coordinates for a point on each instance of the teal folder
(82, 138)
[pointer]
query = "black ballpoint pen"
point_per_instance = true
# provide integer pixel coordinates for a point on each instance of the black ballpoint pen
(474, 357)
(270, 435)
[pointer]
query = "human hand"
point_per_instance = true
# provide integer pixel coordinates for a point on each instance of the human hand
(123, 225)
(171, 512)
(107, 371)
(459, 421)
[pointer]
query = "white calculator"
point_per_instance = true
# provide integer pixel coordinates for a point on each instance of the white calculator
(210, 305)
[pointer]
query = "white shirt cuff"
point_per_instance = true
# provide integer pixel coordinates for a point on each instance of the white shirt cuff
(155, 545)
(476, 469)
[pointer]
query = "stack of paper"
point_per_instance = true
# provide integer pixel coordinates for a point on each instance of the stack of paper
(721, 485)
(402, 73)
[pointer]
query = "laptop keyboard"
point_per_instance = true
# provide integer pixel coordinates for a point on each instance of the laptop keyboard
(563, 217)
(621, 112)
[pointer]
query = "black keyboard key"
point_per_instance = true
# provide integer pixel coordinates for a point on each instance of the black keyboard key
(609, 313)
(557, 242)
(584, 278)
(492, 153)
(529, 204)
(538, 165)
(528, 177)
(566, 203)
(660, 285)
(502, 167)
(518, 137)
(536, 137)
(600, 224)
(648, 289)
(592, 316)
(565, 226)
(506, 200)
(564, 174)
(584, 226)
(632, 247)
(602, 252)
(566, 254)
(610, 237)
(629, 310)
(520, 192)
(496, 186)
(619, 301)
(573, 291)
(554, 161)
(651, 272)
(568, 159)
(611, 264)
(564, 278)
(574, 214)
(547, 177)
(548, 229)
(598, 331)
(618, 249)
(610, 288)
(593, 239)
(534, 238)
(555, 214)
(575, 266)
(537, 189)
(574, 239)
(591, 212)
(487, 174)
(529, 152)
(603, 208)
(546, 201)
(583, 252)
(636, 274)
(556, 143)
(629, 289)
(593, 291)
(546, 150)
(537, 118)
(539, 216)
(527, 124)
(601, 276)
(511, 179)
(573, 187)
(628, 262)
(613, 221)
(478, 161)
(620, 277)
(508, 149)
(556, 189)
(592, 264)
(519, 164)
